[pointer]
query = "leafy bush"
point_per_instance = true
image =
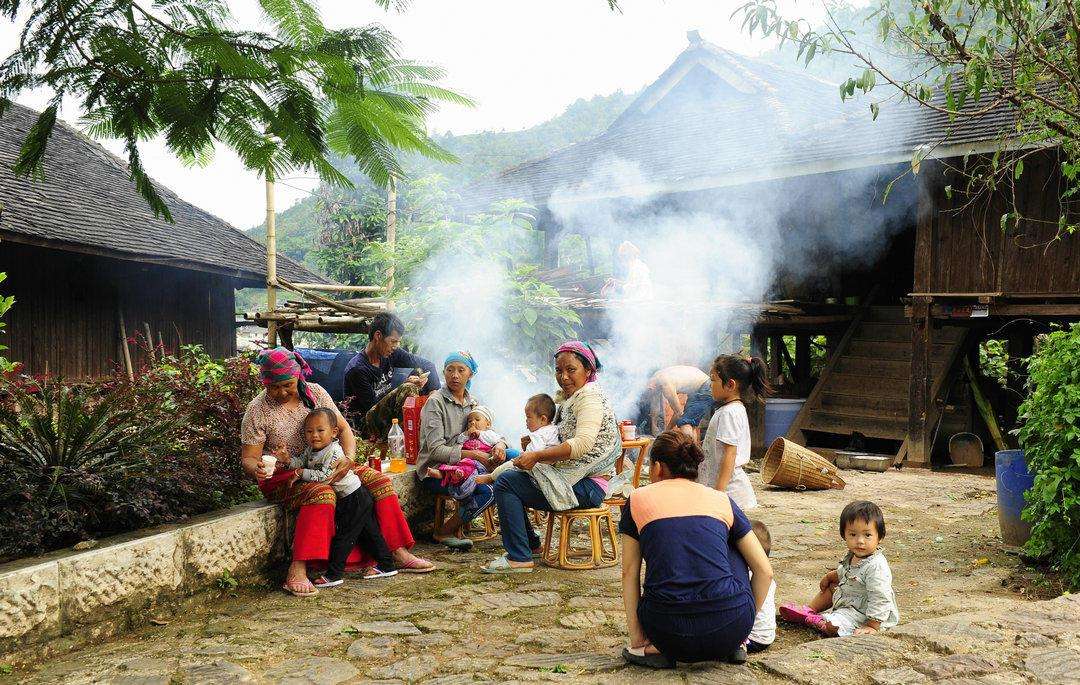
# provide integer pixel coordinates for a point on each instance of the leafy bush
(5, 304)
(1050, 436)
(82, 461)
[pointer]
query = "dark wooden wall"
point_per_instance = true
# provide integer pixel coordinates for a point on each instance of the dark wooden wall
(67, 310)
(963, 249)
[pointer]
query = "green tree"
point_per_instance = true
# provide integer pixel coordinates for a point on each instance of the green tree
(1050, 436)
(282, 99)
(973, 56)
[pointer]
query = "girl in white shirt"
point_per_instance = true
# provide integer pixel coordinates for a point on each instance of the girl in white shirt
(727, 441)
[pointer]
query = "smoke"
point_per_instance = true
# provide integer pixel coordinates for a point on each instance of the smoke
(466, 298)
(713, 256)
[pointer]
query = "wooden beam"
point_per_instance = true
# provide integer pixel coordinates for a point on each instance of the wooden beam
(919, 398)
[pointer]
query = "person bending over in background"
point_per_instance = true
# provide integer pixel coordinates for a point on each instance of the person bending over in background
(664, 388)
(372, 404)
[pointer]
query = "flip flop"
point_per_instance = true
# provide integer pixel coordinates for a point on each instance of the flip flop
(374, 572)
(638, 657)
(323, 581)
(501, 565)
(291, 588)
(416, 565)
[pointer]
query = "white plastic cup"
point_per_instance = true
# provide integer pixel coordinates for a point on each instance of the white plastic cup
(269, 464)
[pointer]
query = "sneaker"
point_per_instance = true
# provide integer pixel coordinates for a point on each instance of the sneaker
(738, 657)
(323, 581)
(375, 572)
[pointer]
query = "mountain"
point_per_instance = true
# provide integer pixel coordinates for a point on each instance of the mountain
(480, 154)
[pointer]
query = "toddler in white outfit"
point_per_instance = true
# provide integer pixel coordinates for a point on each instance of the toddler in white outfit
(539, 412)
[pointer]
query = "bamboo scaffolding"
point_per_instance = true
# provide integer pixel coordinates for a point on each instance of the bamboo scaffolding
(271, 261)
(335, 288)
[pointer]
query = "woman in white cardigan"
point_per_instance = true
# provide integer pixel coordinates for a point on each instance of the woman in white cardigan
(567, 476)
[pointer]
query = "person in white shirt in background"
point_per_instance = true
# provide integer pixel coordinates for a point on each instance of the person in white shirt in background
(638, 284)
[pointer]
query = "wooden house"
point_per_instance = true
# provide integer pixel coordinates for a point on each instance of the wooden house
(718, 127)
(86, 258)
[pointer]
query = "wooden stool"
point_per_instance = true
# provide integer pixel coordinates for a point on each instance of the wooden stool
(601, 530)
(642, 446)
(445, 506)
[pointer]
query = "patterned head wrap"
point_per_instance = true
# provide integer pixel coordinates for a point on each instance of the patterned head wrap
(281, 364)
(465, 358)
(585, 353)
(485, 412)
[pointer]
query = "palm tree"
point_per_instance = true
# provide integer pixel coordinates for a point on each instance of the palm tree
(284, 99)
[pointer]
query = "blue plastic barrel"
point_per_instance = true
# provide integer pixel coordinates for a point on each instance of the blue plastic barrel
(1013, 480)
(779, 413)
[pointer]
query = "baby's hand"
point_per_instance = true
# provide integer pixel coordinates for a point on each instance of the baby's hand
(865, 630)
(474, 435)
(525, 440)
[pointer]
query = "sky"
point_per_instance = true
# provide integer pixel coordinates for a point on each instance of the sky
(522, 61)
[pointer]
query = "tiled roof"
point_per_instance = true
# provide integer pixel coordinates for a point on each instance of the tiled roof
(741, 120)
(86, 200)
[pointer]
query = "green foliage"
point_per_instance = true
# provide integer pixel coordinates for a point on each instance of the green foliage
(82, 461)
(1050, 436)
(962, 58)
(226, 582)
(993, 361)
(282, 99)
(59, 445)
(300, 228)
(5, 304)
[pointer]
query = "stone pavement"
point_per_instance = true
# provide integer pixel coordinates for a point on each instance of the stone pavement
(959, 624)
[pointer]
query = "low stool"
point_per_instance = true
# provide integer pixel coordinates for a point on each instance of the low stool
(604, 546)
(481, 529)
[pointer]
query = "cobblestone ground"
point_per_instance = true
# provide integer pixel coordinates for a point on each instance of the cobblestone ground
(959, 623)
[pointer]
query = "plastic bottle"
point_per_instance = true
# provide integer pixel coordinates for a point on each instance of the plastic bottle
(395, 440)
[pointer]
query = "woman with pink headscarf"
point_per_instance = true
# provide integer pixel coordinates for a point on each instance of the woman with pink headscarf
(274, 424)
(567, 476)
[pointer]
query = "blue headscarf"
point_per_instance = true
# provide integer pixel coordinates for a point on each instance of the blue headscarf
(464, 358)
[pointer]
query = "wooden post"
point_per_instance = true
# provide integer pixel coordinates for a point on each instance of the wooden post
(802, 359)
(391, 231)
(919, 397)
(271, 263)
(150, 343)
(776, 341)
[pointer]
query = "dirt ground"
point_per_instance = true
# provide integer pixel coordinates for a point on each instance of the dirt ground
(460, 626)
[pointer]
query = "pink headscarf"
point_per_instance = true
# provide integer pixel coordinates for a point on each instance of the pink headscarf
(586, 353)
(281, 364)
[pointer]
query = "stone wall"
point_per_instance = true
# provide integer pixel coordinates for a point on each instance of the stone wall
(123, 581)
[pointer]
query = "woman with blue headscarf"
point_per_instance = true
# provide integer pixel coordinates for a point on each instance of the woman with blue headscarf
(443, 418)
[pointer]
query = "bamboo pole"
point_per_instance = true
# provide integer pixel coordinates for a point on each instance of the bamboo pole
(127, 350)
(271, 262)
(335, 288)
(391, 231)
(150, 343)
(984, 407)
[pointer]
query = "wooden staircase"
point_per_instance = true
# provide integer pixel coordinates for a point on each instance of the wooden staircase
(865, 386)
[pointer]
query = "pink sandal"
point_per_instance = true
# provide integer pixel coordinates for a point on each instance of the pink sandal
(416, 565)
(798, 614)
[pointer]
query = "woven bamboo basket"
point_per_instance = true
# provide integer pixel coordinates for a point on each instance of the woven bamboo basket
(788, 465)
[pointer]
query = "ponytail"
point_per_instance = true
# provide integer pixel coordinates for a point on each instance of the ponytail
(679, 452)
(749, 373)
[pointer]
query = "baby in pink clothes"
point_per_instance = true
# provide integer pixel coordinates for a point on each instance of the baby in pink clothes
(477, 436)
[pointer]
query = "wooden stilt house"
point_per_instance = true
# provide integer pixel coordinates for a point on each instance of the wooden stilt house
(89, 263)
(719, 130)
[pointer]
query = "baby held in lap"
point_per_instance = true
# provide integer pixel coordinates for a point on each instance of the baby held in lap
(477, 436)
(539, 413)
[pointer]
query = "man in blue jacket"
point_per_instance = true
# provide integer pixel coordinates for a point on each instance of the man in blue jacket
(372, 403)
